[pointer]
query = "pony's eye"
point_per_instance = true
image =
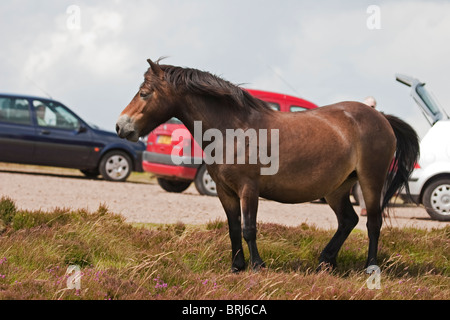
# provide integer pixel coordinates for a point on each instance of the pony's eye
(144, 94)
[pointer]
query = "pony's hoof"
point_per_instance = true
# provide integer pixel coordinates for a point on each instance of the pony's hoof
(257, 266)
(237, 268)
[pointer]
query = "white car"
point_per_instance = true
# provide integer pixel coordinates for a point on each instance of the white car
(430, 181)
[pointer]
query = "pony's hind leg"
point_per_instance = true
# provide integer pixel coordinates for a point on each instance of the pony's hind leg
(372, 187)
(372, 197)
(347, 218)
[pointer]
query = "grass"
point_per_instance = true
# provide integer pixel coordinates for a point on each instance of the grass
(149, 261)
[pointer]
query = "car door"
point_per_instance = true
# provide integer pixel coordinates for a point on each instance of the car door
(424, 99)
(17, 132)
(63, 139)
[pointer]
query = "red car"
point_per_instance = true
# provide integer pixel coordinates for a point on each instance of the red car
(177, 178)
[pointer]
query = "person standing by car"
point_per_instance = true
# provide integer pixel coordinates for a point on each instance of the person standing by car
(371, 102)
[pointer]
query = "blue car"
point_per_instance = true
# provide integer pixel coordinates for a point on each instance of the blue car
(42, 131)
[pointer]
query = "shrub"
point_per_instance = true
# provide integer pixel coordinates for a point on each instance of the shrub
(7, 210)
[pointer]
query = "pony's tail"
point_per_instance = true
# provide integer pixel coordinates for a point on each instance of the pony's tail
(406, 156)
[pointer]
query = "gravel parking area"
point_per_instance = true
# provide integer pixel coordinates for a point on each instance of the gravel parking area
(146, 202)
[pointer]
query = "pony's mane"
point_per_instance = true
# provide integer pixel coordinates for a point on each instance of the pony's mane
(204, 83)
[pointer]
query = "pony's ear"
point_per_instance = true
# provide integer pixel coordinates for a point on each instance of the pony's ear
(155, 68)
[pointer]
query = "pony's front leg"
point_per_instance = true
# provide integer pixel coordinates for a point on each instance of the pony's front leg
(231, 205)
(249, 210)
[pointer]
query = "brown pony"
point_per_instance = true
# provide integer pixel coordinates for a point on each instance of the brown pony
(322, 152)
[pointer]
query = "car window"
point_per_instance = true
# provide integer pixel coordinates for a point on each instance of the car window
(174, 121)
(296, 108)
(14, 110)
(428, 99)
(273, 105)
(52, 114)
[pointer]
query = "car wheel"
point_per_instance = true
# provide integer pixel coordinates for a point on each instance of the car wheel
(173, 185)
(204, 183)
(115, 166)
(436, 199)
(90, 173)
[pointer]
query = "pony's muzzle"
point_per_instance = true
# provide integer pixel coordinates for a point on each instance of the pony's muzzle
(126, 128)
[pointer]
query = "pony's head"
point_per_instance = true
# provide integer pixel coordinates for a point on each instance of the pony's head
(150, 107)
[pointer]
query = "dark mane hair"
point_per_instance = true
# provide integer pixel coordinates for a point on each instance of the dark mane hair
(204, 83)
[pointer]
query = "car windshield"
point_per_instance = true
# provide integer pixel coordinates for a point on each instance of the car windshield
(427, 97)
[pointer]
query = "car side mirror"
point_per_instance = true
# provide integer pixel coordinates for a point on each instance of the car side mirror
(81, 128)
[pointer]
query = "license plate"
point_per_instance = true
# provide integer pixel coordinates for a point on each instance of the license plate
(164, 140)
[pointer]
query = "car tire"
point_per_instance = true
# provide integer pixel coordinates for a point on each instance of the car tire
(173, 185)
(204, 183)
(116, 166)
(436, 199)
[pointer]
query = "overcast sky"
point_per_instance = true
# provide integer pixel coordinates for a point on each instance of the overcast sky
(91, 55)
